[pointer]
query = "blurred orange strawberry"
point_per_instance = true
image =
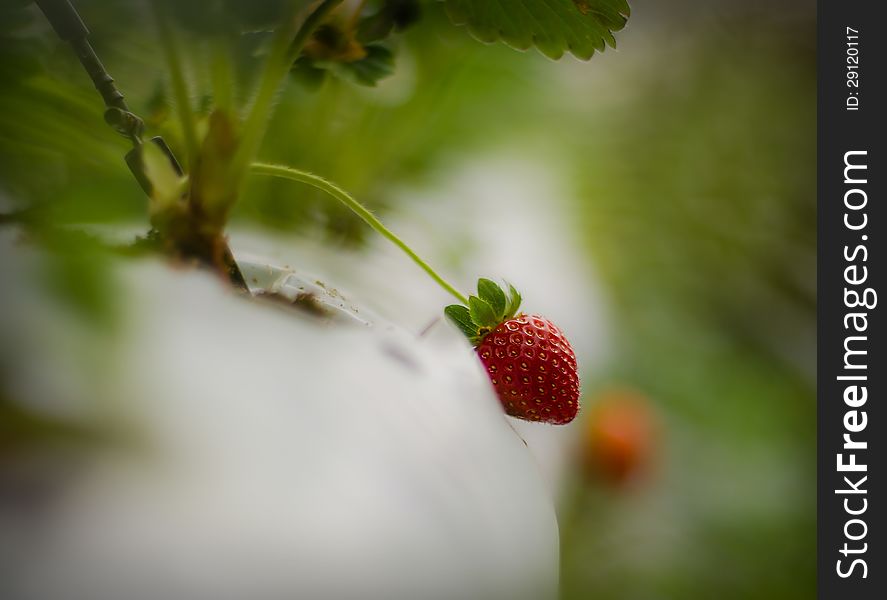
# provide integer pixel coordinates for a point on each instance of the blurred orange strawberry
(621, 436)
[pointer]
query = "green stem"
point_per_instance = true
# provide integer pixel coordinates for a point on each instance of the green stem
(180, 89)
(308, 27)
(355, 16)
(256, 121)
(222, 76)
(360, 210)
(285, 48)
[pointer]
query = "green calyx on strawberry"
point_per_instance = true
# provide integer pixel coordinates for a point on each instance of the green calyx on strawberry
(530, 363)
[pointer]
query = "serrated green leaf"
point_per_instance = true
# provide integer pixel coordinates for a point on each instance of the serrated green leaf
(490, 292)
(481, 312)
(580, 27)
(459, 315)
(514, 300)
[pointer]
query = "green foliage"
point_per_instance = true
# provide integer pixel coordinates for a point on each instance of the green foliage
(377, 64)
(309, 75)
(459, 315)
(351, 48)
(711, 211)
(393, 15)
(481, 312)
(485, 311)
(18, 52)
(493, 295)
(693, 168)
(514, 300)
(212, 17)
(580, 27)
(24, 430)
(696, 201)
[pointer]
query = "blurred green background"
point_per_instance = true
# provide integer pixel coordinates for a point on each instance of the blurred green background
(689, 153)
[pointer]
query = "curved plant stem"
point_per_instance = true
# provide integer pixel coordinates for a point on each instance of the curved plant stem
(180, 89)
(360, 210)
(285, 48)
(311, 23)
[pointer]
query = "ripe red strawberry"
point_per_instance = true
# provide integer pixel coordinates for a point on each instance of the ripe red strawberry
(531, 364)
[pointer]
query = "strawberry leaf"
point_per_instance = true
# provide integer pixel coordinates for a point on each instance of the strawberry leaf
(514, 300)
(481, 312)
(493, 295)
(553, 26)
(459, 315)
(377, 64)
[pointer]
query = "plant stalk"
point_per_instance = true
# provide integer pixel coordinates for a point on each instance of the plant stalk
(222, 75)
(285, 49)
(360, 210)
(177, 76)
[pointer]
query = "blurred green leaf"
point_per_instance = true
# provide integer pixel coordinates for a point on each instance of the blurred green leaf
(77, 272)
(306, 73)
(395, 15)
(24, 429)
(377, 64)
(237, 16)
(553, 26)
